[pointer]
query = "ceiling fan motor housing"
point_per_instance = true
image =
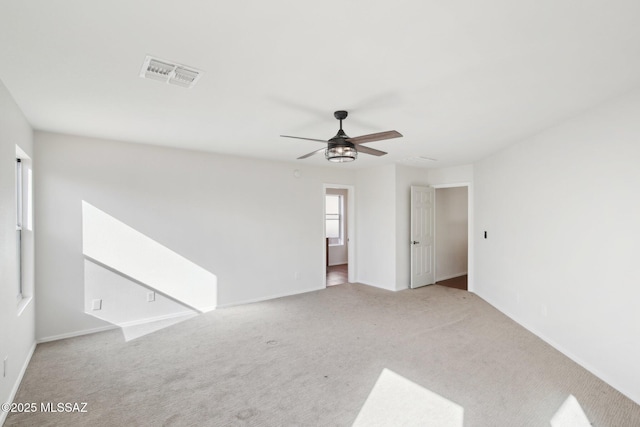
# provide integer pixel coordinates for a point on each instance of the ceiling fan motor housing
(340, 151)
(340, 137)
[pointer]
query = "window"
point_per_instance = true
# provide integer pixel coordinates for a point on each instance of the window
(334, 219)
(23, 286)
(19, 217)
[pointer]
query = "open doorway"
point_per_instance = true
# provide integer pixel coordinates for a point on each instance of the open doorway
(338, 215)
(452, 237)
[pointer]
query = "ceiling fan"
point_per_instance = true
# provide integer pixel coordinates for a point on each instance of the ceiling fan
(342, 148)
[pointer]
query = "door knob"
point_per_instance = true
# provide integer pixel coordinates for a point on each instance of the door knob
(414, 242)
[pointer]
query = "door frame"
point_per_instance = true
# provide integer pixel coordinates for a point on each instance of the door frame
(350, 218)
(470, 234)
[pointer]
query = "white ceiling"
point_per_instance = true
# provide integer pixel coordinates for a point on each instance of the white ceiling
(459, 78)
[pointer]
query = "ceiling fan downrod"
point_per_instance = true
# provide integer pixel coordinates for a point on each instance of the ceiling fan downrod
(340, 115)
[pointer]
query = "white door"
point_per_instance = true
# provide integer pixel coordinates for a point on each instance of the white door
(422, 236)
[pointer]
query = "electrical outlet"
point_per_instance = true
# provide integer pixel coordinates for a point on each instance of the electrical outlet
(543, 310)
(296, 275)
(96, 304)
(151, 296)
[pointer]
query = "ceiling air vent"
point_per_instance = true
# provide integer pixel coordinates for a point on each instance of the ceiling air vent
(168, 72)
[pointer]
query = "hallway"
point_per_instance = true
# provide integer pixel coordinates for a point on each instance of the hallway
(337, 274)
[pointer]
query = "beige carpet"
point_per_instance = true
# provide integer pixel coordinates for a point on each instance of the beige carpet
(313, 360)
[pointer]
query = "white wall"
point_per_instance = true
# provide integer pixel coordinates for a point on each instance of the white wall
(17, 339)
(251, 223)
(562, 213)
(376, 226)
(451, 175)
(451, 232)
(338, 254)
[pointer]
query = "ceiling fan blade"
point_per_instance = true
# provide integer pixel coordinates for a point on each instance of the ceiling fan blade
(308, 139)
(369, 150)
(311, 154)
(375, 137)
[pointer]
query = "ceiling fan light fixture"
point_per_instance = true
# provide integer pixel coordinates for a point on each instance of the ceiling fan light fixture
(341, 152)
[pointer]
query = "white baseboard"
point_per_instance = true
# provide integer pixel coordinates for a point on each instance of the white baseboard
(631, 394)
(266, 298)
(379, 286)
(14, 389)
(75, 334)
(203, 310)
(450, 276)
(157, 318)
(110, 327)
(165, 317)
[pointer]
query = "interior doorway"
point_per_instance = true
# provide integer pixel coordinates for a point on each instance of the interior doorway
(338, 234)
(452, 236)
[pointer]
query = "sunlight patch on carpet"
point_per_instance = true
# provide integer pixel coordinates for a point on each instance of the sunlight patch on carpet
(396, 401)
(570, 414)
